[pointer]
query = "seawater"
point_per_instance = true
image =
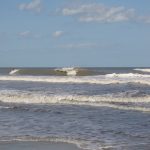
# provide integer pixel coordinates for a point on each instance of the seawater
(95, 108)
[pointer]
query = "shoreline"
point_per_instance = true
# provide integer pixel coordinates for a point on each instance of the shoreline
(32, 145)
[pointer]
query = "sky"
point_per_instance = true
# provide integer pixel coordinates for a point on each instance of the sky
(81, 33)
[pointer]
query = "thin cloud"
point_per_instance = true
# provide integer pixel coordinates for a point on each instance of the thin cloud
(28, 34)
(103, 14)
(25, 34)
(57, 34)
(79, 45)
(145, 19)
(34, 6)
(99, 13)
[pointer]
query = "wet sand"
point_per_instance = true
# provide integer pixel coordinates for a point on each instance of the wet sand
(37, 146)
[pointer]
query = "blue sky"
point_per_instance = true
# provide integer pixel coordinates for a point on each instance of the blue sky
(47, 33)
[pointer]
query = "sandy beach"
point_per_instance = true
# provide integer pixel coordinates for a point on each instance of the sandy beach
(37, 146)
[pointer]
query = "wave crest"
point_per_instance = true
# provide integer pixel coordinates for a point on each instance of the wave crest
(52, 71)
(143, 70)
(69, 71)
(14, 71)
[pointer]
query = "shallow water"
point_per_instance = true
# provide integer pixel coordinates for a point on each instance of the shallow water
(84, 125)
(36, 146)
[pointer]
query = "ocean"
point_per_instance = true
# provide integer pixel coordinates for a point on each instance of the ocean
(94, 108)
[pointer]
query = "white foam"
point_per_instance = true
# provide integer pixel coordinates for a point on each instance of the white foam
(142, 70)
(127, 75)
(11, 96)
(5, 107)
(82, 144)
(14, 71)
(101, 79)
(70, 71)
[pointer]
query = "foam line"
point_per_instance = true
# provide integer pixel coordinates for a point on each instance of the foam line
(99, 101)
(142, 70)
(71, 79)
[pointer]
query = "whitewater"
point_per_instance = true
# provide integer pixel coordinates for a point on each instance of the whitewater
(94, 108)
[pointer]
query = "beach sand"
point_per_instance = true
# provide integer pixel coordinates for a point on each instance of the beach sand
(37, 146)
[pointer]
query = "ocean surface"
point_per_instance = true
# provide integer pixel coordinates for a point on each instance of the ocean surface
(94, 108)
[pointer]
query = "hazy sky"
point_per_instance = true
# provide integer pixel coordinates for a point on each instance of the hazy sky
(46, 33)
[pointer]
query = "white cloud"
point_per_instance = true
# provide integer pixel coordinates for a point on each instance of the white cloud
(57, 34)
(103, 14)
(34, 5)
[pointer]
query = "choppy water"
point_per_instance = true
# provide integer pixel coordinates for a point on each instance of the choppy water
(95, 108)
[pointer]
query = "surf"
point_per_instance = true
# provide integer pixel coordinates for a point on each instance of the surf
(101, 79)
(131, 102)
(143, 70)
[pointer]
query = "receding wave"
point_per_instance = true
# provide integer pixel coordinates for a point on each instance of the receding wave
(79, 143)
(118, 102)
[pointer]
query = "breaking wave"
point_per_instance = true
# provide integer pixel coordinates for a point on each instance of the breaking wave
(74, 71)
(100, 79)
(124, 101)
(67, 71)
(14, 71)
(143, 70)
(127, 75)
